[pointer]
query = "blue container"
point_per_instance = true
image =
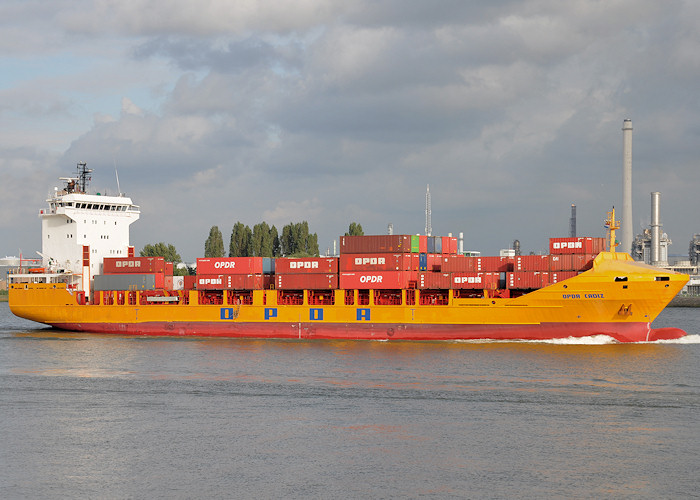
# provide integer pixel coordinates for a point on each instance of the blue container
(431, 244)
(268, 265)
(423, 262)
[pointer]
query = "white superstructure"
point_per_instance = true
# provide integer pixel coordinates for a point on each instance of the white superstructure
(78, 230)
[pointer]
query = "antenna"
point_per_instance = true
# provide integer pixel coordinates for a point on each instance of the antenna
(83, 176)
(119, 190)
(428, 214)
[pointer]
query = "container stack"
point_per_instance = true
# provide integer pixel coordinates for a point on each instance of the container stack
(313, 273)
(131, 273)
(234, 273)
(395, 262)
(570, 256)
(380, 262)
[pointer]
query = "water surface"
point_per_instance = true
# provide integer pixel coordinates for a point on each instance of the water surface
(93, 416)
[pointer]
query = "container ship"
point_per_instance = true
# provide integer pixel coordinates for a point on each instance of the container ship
(381, 287)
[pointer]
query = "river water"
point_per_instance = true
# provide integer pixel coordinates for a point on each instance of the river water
(90, 416)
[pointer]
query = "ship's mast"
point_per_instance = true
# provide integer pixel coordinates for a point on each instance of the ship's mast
(612, 225)
(83, 176)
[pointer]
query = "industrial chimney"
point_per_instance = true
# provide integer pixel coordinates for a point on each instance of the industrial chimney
(655, 229)
(572, 222)
(626, 222)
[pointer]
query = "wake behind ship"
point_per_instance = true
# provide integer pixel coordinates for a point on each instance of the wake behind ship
(402, 287)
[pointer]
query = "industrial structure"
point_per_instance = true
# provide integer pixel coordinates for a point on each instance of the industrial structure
(627, 220)
(428, 213)
(651, 246)
(572, 222)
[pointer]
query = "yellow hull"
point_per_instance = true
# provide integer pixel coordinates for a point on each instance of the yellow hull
(617, 297)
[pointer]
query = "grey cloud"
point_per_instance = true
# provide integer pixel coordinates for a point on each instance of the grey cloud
(510, 111)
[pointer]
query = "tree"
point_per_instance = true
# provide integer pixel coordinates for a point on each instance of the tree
(167, 251)
(275, 242)
(214, 246)
(238, 245)
(263, 240)
(297, 242)
(355, 229)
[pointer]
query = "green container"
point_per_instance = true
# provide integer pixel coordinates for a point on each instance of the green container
(414, 243)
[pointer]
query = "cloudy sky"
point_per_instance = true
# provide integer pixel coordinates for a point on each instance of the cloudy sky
(332, 112)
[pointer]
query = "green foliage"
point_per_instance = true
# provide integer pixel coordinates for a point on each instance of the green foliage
(261, 241)
(239, 242)
(296, 240)
(214, 246)
(167, 251)
(185, 271)
(355, 229)
(264, 241)
(276, 252)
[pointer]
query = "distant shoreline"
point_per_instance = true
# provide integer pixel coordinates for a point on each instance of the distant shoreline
(685, 302)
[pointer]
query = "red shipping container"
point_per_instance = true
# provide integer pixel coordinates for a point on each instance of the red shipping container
(230, 265)
(585, 245)
(133, 265)
(229, 282)
(556, 277)
(434, 281)
(493, 264)
(457, 263)
(527, 279)
(454, 246)
(190, 282)
(310, 265)
(571, 262)
(422, 243)
(531, 263)
(169, 267)
(562, 262)
(376, 280)
(434, 262)
(379, 262)
(474, 280)
(375, 244)
(306, 281)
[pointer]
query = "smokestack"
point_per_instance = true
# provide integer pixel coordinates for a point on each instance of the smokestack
(655, 229)
(572, 222)
(461, 243)
(626, 222)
